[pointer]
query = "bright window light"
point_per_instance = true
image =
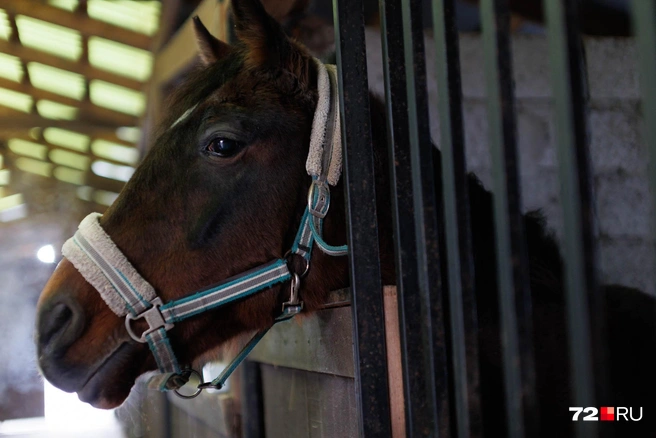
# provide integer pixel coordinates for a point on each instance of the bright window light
(15, 100)
(120, 58)
(141, 16)
(56, 80)
(103, 197)
(34, 166)
(113, 171)
(55, 110)
(115, 151)
(5, 27)
(28, 148)
(65, 412)
(11, 68)
(48, 37)
(67, 139)
(69, 175)
(69, 159)
(46, 254)
(85, 193)
(116, 97)
(5, 174)
(68, 5)
(130, 134)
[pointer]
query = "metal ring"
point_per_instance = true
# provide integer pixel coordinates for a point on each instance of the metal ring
(287, 257)
(198, 389)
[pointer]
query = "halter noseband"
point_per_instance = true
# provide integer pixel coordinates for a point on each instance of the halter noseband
(105, 267)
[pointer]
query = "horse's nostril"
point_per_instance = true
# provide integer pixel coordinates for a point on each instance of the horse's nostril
(59, 326)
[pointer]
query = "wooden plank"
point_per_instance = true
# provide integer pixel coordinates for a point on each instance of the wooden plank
(27, 54)
(84, 24)
(114, 117)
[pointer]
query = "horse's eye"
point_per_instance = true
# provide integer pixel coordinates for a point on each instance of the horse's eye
(223, 147)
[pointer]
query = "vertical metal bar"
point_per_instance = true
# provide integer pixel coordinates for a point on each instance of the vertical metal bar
(252, 400)
(644, 18)
(462, 299)
(420, 374)
(585, 314)
(366, 290)
(512, 259)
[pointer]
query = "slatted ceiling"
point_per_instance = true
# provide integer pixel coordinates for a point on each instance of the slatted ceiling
(56, 80)
(117, 98)
(68, 139)
(36, 167)
(45, 61)
(5, 26)
(142, 16)
(56, 111)
(115, 152)
(69, 175)
(119, 58)
(48, 37)
(28, 148)
(11, 68)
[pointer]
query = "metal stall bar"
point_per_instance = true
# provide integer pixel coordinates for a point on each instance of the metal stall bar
(462, 300)
(371, 385)
(644, 18)
(422, 375)
(585, 314)
(512, 259)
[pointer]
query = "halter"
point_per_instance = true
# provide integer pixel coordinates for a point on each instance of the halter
(129, 295)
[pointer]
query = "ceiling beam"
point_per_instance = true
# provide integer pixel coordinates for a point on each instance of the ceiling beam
(113, 117)
(27, 54)
(84, 24)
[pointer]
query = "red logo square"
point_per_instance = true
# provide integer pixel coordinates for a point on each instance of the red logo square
(607, 413)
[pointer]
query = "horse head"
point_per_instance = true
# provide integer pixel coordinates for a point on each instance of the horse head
(222, 190)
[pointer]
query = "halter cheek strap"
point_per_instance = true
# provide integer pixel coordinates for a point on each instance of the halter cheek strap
(128, 294)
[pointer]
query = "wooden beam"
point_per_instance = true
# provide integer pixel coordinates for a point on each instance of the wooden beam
(27, 54)
(113, 117)
(84, 24)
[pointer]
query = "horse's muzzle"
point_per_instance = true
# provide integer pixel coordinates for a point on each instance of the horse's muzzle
(60, 322)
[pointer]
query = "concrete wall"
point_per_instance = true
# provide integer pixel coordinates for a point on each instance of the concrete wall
(619, 156)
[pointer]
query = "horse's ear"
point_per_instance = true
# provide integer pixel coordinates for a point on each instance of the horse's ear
(211, 49)
(266, 42)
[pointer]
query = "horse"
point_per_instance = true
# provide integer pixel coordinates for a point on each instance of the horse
(223, 189)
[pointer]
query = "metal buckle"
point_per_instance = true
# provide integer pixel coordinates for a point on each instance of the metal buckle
(294, 305)
(320, 209)
(154, 319)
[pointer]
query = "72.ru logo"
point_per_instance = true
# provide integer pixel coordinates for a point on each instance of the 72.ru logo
(608, 413)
